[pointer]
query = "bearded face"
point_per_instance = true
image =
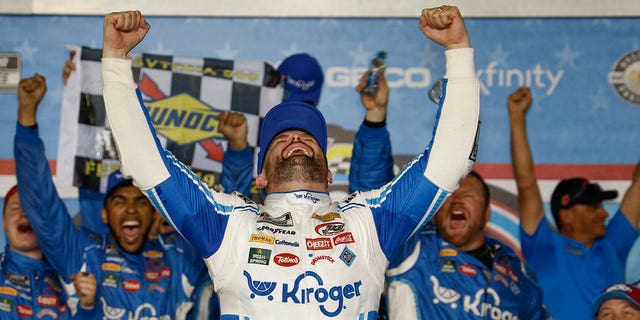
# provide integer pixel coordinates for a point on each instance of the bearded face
(295, 156)
(462, 218)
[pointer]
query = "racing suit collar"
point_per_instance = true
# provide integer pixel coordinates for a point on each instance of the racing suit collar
(298, 197)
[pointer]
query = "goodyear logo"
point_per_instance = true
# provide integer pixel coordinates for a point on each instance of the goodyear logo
(184, 119)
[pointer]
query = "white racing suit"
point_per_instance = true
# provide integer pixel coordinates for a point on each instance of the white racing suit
(300, 255)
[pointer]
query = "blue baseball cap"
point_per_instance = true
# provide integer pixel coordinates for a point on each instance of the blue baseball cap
(116, 180)
(291, 116)
(303, 78)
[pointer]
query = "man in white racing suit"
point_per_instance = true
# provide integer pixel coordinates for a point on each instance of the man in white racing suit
(300, 255)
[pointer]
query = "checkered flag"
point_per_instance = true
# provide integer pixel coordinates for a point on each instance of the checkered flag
(184, 96)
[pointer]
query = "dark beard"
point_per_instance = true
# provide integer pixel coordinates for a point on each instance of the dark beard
(300, 168)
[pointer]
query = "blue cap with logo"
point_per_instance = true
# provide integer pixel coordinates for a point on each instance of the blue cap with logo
(116, 179)
(291, 116)
(303, 78)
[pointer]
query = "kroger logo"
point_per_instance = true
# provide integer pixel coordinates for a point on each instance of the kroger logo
(479, 305)
(331, 300)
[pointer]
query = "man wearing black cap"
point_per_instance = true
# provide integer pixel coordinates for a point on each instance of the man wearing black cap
(300, 255)
(136, 278)
(583, 256)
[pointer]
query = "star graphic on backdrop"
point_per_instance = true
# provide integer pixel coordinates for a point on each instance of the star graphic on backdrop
(26, 50)
(360, 57)
(567, 56)
(258, 21)
(533, 22)
(599, 100)
(293, 48)
(331, 22)
(601, 22)
(397, 22)
(428, 56)
(160, 49)
(227, 52)
(499, 55)
(94, 44)
(198, 21)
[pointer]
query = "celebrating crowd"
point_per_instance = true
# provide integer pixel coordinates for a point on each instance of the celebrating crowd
(409, 246)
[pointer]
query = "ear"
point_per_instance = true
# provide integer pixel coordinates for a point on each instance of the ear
(104, 216)
(261, 181)
(487, 214)
(330, 176)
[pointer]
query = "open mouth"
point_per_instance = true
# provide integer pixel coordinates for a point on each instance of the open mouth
(131, 231)
(297, 151)
(457, 219)
(25, 228)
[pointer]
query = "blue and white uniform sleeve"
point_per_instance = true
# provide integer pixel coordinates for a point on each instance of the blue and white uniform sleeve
(185, 202)
(403, 206)
(371, 159)
(237, 171)
(59, 240)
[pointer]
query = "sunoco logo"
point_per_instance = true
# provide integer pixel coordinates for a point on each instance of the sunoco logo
(485, 302)
(625, 77)
(184, 119)
(306, 288)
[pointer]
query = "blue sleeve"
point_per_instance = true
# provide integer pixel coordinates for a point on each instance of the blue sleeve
(371, 159)
(404, 252)
(621, 234)
(91, 203)
(59, 240)
(404, 205)
(237, 171)
(536, 248)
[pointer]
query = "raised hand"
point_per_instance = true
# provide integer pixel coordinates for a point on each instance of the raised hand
(30, 93)
(233, 126)
(376, 104)
(122, 32)
(444, 25)
(69, 67)
(519, 101)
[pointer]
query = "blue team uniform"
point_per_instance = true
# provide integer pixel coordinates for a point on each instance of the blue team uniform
(571, 275)
(158, 282)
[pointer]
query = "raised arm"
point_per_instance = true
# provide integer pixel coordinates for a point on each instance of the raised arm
(404, 205)
(237, 165)
(60, 241)
(529, 198)
(180, 196)
(630, 205)
(371, 159)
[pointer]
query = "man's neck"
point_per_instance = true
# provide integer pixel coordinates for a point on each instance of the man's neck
(585, 240)
(296, 185)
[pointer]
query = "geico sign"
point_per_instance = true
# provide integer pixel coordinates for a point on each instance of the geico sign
(396, 77)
